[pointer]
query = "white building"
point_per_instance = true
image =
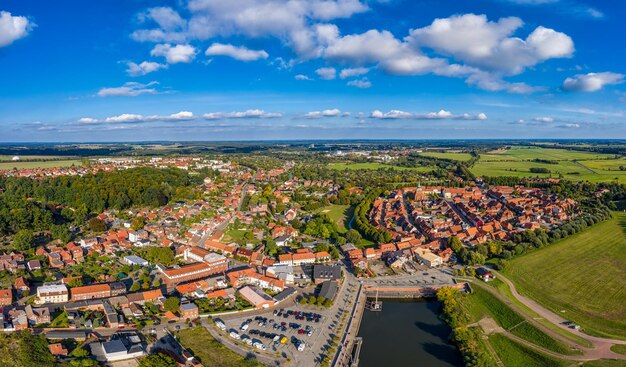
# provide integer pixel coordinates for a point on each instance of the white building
(428, 258)
(135, 260)
(52, 293)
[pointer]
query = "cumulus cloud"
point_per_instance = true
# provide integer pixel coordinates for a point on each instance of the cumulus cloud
(360, 83)
(326, 73)
(440, 115)
(143, 68)
(174, 54)
(592, 82)
(130, 89)
(237, 53)
(489, 45)
(302, 77)
(352, 72)
(13, 27)
(335, 112)
(251, 114)
(130, 118)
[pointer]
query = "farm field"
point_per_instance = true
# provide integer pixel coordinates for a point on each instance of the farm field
(373, 165)
(581, 277)
(43, 164)
(339, 214)
(573, 165)
(31, 157)
(448, 155)
(211, 352)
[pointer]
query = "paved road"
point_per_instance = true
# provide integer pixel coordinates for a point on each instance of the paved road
(601, 346)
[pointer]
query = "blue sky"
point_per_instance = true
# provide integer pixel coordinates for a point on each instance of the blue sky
(130, 70)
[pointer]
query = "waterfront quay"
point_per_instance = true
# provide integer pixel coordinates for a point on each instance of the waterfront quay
(422, 284)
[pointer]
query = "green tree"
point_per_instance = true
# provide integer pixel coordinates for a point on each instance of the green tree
(97, 225)
(138, 223)
(172, 304)
(23, 240)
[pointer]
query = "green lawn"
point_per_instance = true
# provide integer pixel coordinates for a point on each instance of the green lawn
(581, 277)
(337, 213)
(619, 348)
(211, 352)
(482, 303)
(374, 166)
(43, 164)
(573, 165)
(236, 235)
(448, 155)
(31, 157)
(513, 354)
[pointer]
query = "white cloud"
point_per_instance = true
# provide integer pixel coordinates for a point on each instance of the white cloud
(326, 73)
(167, 18)
(87, 120)
(494, 83)
(440, 115)
(592, 82)
(253, 113)
(335, 112)
(302, 77)
(546, 120)
(360, 83)
(143, 68)
(489, 45)
(128, 118)
(569, 126)
(352, 72)
(130, 89)
(174, 54)
(13, 28)
(238, 53)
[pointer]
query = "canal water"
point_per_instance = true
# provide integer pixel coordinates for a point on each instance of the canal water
(407, 333)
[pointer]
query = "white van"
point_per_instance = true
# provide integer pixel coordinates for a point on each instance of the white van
(234, 335)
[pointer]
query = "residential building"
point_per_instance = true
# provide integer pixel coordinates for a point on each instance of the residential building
(188, 311)
(52, 293)
(6, 297)
(173, 276)
(91, 292)
(322, 273)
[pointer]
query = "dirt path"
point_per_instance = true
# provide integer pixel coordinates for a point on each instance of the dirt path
(601, 346)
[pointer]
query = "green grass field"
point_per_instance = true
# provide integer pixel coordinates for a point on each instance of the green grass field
(44, 164)
(374, 166)
(448, 155)
(573, 165)
(581, 277)
(211, 352)
(482, 303)
(513, 354)
(337, 213)
(619, 348)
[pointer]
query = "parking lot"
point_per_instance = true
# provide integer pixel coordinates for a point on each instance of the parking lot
(281, 331)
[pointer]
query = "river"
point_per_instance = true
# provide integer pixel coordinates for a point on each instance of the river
(407, 333)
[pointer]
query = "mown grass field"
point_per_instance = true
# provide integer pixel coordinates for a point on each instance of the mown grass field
(482, 304)
(43, 164)
(513, 354)
(339, 214)
(374, 166)
(211, 352)
(581, 277)
(573, 165)
(448, 155)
